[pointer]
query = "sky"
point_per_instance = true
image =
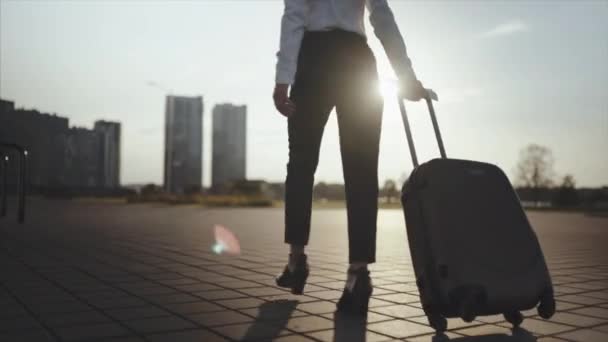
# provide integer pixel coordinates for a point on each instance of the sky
(508, 74)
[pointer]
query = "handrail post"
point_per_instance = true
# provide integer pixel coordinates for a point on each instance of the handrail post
(22, 184)
(22, 179)
(4, 170)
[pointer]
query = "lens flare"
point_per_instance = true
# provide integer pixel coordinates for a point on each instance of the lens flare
(225, 241)
(217, 248)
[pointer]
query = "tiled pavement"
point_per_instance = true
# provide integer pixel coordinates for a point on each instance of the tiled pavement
(112, 272)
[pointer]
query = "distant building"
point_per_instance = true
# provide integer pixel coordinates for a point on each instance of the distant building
(183, 143)
(43, 135)
(229, 144)
(109, 153)
(61, 158)
(82, 158)
(6, 106)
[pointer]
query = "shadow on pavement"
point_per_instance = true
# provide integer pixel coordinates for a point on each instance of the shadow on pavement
(271, 320)
(349, 328)
(518, 335)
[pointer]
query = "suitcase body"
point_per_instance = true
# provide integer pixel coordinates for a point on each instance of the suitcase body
(472, 247)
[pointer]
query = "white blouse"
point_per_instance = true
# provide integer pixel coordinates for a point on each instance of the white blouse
(322, 15)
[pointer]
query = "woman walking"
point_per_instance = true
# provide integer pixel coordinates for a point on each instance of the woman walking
(325, 60)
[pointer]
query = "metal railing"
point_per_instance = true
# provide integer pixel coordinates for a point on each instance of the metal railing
(21, 177)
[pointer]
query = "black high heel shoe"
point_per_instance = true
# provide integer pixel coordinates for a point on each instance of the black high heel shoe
(356, 301)
(296, 279)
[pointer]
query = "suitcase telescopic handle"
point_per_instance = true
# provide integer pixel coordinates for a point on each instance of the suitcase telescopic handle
(410, 140)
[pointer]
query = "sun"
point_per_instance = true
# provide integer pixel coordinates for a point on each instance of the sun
(388, 88)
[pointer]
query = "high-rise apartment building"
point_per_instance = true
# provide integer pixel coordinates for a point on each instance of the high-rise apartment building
(229, 144)
(109, 170)
(183, 143)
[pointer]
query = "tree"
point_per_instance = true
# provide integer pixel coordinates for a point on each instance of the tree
(150, 189)
(535, 169)
(566, 195)
(389, 190)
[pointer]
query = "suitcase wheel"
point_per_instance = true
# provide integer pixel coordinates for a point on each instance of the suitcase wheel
(467, 310)
(514, 318)
(546, 308)
(438, 322)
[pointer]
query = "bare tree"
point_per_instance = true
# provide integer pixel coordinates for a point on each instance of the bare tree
(566, 195)
(390, 190)
(535, 169)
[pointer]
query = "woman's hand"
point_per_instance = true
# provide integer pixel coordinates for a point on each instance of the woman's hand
(281, 101)
(413, 91)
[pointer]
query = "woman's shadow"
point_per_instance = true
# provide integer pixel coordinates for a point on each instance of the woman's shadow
(271, 320)
(273, 317)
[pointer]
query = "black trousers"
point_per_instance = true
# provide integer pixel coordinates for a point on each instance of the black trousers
(335, 69)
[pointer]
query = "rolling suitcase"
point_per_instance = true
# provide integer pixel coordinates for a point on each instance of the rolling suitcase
(473, 250)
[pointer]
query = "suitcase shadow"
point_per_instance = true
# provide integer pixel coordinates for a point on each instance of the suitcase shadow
(518, 335)
(349, 328)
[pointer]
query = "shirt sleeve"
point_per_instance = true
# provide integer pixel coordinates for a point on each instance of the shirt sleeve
(293, 25)
(387, 31)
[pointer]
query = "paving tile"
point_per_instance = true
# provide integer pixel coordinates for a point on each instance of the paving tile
(238, 284)
(289, 296)
(12, 309)
(174, 298)
(400, 328)
(585, 335)
(62, 307)
(375, 303)
(326, 294)
(602, 328)
(578, 299)
(293, 338)
(194, 307)
(197, 287)
(400, 287)
(117, 303)
(491, 319)
(243, 303)
(38, 335)
(256, 331)
(320, 307)
(71, 319)
(19, 323)
(81, 332)
(597, 294)
(153, 290)
(158, 324)
(563, 306)
(350, 334)
(136, 312)
(453, 323)
(220, 294)
(262, 291)
(124, 339)
(449, 335)
(271, 315)
(481, 330)
(309, 323)
(576, 320)
(398, 311)
(592, 311)
(198, 335)
(401, 298)
(541, 327)
(210, 319)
